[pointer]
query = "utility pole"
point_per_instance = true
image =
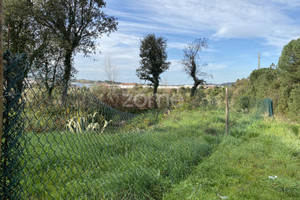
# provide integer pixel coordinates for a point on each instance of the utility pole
(258, 60)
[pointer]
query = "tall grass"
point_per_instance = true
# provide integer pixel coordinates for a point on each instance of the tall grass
(127, 165)
(259, 160)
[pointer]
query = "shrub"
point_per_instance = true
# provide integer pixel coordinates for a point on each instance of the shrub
(91, 122)
(243, 103)
(294, 103)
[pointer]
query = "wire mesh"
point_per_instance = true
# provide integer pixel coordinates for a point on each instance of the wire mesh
(12, 146)
(263, 107)
(77, 147)
(68, 142)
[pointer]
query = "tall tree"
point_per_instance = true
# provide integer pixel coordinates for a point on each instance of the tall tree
(289, 63)
(192, 63)
(23, 34)
(153, 61)
(48, 67)
(19, 28)
(289, 75)
(75, 24)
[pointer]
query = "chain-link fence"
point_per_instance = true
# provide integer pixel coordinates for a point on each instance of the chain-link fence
(77, 147)
(12, 147)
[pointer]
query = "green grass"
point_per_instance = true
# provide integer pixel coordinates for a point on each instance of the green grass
(126, 165)
(185, 156)
(240, 166)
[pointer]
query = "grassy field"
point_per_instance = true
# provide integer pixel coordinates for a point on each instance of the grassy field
(261, 161)
(185, 156)
(127, 165)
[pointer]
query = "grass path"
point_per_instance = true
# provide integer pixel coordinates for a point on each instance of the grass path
(257, 161)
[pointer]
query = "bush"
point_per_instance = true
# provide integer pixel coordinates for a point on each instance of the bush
(243, 103)
(294, 103)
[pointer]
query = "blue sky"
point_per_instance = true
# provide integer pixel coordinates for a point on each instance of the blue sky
(236, 30)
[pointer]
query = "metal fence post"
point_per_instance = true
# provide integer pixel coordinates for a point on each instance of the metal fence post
(1, 75)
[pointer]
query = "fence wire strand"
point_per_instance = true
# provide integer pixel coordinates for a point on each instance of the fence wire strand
(12, 142)
(78, 147)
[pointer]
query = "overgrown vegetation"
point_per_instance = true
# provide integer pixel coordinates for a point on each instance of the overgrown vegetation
(155, 153)
(133, 165)
(174, 148)
(258, 160)
(139, 99)
(177, 153)
(80, 112)
(280, 83)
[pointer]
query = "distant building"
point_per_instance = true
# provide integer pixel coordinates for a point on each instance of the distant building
(127, 85)
(132, 85)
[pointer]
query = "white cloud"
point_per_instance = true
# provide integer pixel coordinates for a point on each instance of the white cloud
(175, 66)
(292, 4)
(225, 19)
(214, 67)
(123, 49)
(176, 45)
(184, 20)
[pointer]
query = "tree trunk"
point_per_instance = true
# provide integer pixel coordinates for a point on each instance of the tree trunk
(67, 74)
(51, 88)
(197, 82)
(193, 89)
(50, 93)
(155, 94)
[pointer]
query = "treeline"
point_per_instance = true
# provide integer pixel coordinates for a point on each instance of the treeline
(52, 32)
(280, 82)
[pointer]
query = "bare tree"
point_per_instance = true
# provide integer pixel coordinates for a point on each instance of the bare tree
(192, 63)
(111, 71)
